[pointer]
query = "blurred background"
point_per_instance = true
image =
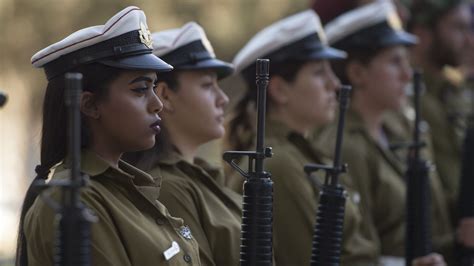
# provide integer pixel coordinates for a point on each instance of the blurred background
(26, 26)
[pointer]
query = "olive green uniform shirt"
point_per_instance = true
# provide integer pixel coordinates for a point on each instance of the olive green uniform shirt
(196, 193)
(378, 174)
(296, 199)
(445, 106)
(133, 227)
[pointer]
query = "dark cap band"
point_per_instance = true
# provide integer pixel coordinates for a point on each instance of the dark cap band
(307, 48)
(193, 56)
(124, 45)
(188, 54)
(376, 36)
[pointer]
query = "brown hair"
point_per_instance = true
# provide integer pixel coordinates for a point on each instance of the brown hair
(241, 127)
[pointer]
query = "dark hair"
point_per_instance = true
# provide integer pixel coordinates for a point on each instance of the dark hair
(96, 79)
(361, 55)
(241, 127)
(147, 159)
(429, 14)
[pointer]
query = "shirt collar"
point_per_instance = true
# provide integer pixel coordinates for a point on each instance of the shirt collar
(277, 129)
(174, 158)
(93, 165)
(438, 85)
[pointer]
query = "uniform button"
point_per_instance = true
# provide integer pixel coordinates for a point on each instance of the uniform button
(187, 258)
(160, 221)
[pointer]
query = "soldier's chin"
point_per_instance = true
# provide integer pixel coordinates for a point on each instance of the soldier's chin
(330, 116)
(144, 144)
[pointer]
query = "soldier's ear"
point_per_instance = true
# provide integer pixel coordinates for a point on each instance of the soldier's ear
(88, 105)
(356, 73)
(164, 92)
(278, 90)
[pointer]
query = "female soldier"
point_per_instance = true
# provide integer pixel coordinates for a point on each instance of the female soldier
(378, 68)
(301, 96)
(193, 114)
(119, 109)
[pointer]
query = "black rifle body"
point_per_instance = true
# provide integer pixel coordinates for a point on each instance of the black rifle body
(418, 203)
(465, 255)
(257, 216)
(327, 236)
(73, 220)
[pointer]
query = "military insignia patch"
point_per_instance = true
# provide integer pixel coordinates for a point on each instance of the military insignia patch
(185, 232)
(145, 36)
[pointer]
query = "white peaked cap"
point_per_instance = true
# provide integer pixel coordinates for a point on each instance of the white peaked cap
(368, 18)
(125, 35)
(188, 48)
(281, 34)
(170, 40)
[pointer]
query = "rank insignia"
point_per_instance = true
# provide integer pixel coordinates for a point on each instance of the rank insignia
(185, 232)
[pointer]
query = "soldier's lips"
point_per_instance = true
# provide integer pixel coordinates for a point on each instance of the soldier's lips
(220, 118)
(156, 126)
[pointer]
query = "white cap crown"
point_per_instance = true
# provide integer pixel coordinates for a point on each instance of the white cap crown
(278, 35)
(361, 18)
(129, 19)
(169, 40)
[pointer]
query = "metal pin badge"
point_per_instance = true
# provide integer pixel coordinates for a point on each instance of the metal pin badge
(185, 232)
(173, 250)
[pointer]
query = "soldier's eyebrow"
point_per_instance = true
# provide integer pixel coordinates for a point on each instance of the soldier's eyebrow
(142, 78)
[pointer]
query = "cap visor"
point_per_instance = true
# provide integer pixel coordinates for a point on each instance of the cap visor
(327, 53)
(223, 69)
(139, 62)
(399, 38)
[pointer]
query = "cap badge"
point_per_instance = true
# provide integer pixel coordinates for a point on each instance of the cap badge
(145, 36)
(394, 21)
(185, 232)
(321, 34)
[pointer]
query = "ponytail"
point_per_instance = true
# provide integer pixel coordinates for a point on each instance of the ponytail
(54, 135)
(241, 127)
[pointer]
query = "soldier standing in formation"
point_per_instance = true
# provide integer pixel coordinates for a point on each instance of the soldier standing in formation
(119, 109)
(193, 115)
(378, 68)
(301, 96)
(123, 84)
(443, 30)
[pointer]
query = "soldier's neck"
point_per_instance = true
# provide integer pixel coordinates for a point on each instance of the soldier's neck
(371, 116)
(107, 152)
(289, 120)
(186, 147)
(421, 60)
